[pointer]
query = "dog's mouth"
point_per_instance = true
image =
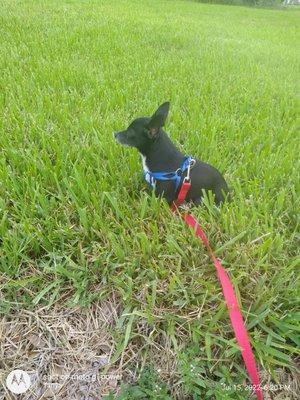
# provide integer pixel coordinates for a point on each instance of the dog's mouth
(120, 138)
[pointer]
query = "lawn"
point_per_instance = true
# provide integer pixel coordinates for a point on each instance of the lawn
(78, 226)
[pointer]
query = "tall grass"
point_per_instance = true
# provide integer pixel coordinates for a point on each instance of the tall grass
(76, 219)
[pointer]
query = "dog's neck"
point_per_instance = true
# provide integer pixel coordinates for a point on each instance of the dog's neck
(162, 155)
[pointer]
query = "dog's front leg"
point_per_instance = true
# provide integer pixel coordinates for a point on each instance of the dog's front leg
(165, 189)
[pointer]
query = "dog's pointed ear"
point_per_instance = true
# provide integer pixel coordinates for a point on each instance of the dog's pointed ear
(158, 119)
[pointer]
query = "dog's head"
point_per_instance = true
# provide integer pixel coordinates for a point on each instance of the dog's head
(142, 132)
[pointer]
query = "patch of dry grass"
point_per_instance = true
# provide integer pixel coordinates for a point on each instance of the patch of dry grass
(64, 350)
(68, 353)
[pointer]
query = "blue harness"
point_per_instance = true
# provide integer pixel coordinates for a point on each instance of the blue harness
(151, 177)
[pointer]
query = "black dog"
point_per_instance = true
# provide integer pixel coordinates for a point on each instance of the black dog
(165, 166)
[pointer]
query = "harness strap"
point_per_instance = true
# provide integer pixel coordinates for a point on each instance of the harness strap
(235, 314)
(175, 176)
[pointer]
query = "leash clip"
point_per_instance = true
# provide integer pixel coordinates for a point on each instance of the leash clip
(191, 164)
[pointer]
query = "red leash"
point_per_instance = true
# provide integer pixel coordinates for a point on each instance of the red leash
(235, 314)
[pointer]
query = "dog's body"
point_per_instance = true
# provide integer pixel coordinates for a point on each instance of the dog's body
(160, 154)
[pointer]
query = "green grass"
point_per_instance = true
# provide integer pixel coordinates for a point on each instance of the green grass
(77, 222)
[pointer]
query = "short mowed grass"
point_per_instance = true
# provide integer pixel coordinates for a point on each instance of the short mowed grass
(77, 222)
